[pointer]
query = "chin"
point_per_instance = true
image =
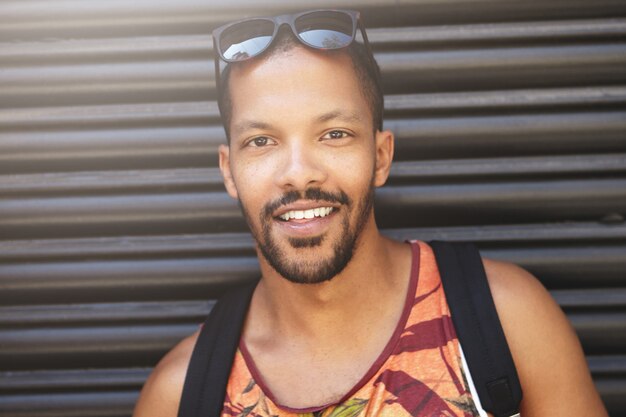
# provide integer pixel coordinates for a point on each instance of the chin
(308, 264)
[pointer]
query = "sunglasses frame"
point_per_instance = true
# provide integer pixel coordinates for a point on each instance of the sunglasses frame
(279, 21)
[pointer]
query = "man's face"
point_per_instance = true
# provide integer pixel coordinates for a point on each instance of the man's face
(303, 160)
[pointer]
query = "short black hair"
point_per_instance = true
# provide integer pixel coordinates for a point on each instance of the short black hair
(364, 64)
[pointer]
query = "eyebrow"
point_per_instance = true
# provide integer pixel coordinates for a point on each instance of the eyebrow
(250, 124)
(325, 117)
(339, 115)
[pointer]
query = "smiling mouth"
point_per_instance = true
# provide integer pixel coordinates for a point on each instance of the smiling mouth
(306, 214)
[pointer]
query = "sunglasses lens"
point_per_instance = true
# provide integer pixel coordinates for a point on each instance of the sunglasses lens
(327, 30)
(245, 40)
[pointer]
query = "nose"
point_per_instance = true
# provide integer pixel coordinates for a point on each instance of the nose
(301, 166)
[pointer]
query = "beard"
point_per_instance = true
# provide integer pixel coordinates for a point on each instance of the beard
(319, 270)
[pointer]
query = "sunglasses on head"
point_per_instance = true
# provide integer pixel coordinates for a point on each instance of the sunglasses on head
(324, 29)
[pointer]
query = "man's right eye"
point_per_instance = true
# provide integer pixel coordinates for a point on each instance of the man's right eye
(260, 141)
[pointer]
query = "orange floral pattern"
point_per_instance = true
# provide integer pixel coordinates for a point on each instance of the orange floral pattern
(419, 374)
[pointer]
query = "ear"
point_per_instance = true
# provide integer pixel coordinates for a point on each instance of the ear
(229, 183)
(384, 156)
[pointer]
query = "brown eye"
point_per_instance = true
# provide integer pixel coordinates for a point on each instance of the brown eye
(336, 134)
(260, 141)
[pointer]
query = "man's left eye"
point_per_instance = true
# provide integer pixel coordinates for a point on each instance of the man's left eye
(336, 134)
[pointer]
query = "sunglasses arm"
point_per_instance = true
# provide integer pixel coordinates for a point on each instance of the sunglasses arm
(216, 59)
(366, 42)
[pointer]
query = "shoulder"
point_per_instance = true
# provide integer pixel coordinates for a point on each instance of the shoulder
(548, 356)
(160, 396)
(526, 308)
(515, 291)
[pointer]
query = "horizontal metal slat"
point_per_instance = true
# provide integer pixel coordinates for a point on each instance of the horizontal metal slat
(118, 341)
(189, 278)
(601, 367)
(122, 280)
(455, 204)
(500, 236)
(218, 244)
(201, 113)
(136, 181)
(522, 100)
(530, 32)
(75, 20)
(121, 403)
(591, 298)
(185, 47)
(106, 83)
(117, 214)
(398, 206)
(569, 267)
(140, 345)
(600, 332)
(87, 404)
(73, 379)
(89, 347)
(596, 300)
(105, 50)
(507, 135)
(605, 365)
(424, 138)
(145, 312)
(489, 69)
(600, 326)
(210, 179)
(500, 168)
(148, 146)
(122, 148)
(166, 79)
(613, 392)
(229, 244)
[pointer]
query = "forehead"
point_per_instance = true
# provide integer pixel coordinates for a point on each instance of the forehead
(295, 87)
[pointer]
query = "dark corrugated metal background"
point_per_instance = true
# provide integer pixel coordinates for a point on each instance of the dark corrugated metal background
(115, 229)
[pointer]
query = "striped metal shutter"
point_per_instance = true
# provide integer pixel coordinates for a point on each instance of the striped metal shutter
(116, 232)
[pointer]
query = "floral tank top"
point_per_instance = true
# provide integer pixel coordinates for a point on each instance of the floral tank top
(420, 372)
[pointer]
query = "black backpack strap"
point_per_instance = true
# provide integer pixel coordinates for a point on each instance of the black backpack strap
(211, 361)
(478, 327)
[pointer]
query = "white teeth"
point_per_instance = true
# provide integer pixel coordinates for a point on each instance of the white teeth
(306, 214)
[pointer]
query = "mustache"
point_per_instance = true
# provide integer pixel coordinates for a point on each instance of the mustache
(314, 194)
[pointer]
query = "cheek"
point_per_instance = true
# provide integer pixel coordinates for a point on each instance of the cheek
(357, 168)
(253, 182)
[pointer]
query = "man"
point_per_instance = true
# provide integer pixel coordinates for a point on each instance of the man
(343, 319)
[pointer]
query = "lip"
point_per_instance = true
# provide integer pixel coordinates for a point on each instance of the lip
(304, 205)
(305, 227)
